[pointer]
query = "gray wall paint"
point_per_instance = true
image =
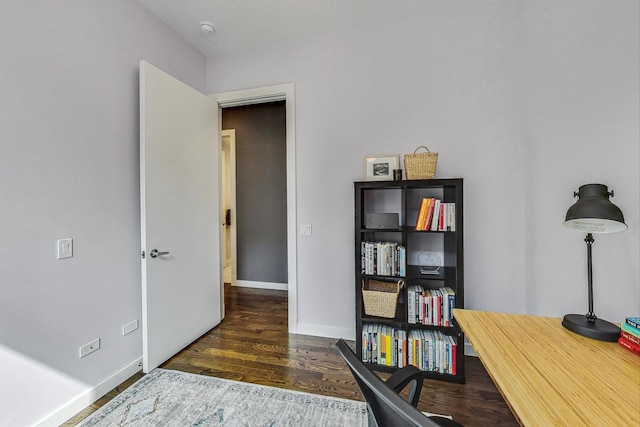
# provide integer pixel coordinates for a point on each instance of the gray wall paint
(261, 190)
(69, 167)
(524, 100)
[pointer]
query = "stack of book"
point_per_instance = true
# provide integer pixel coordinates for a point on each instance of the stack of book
(383, 259)
(432, 307)
(630, 334)
(432, 351)
(384, 345)
(435, 215)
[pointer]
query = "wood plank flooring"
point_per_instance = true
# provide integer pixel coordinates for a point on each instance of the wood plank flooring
(252, 345)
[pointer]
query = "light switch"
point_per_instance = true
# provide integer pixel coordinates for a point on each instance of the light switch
(305, 229)
(65, 248)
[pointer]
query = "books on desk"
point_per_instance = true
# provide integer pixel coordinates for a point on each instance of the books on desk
(630, 334)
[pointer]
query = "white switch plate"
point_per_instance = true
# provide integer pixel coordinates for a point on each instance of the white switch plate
(65, 248)
(89, 347)
(130, 327)
(305, 229)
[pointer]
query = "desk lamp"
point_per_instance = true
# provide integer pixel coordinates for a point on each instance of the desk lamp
(593, 213)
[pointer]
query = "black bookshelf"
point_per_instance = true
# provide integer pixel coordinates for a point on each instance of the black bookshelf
(404, 198)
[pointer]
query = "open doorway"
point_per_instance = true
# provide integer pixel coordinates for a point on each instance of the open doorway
(261, 194)
(269, 94)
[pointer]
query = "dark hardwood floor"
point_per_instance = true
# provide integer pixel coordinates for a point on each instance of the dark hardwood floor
(252, 345)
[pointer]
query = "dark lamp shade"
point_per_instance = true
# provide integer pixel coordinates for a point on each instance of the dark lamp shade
(593, 212)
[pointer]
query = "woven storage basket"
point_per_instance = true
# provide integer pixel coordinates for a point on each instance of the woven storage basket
(380, 298)
(420, 165)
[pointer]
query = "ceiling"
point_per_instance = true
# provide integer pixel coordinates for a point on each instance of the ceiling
(247, 24)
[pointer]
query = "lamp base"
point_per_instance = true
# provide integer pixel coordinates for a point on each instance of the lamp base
(601, 330)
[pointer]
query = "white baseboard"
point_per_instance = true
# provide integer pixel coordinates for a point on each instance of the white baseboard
(325, 331)
(261, 285)
(469, 351)
(91, 395)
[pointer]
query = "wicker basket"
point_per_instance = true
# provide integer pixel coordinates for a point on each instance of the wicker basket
(420, 165)
(380, 298)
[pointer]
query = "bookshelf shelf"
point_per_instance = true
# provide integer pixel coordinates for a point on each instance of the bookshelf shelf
(438, 344)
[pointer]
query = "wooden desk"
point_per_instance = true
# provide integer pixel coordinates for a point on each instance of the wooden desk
(550, 376)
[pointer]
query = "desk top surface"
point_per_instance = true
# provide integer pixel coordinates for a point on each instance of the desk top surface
(550, 376)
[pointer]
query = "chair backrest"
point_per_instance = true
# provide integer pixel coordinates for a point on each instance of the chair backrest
(385, 405)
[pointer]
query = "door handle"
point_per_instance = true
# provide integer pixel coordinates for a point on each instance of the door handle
(155, 253)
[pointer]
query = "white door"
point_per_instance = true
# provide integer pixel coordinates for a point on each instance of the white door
(180, 215)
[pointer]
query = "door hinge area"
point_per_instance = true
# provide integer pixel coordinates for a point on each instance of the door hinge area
(143, 254)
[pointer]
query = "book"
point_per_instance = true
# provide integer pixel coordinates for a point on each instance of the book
(442, 216)
(402, 352)
(389, 345)
(633, 321)
(427, 223)
(365, 343)
(411, 306)
(423, 213)
(435, 216)
(451, 304)
(454, 355)
(630, 329)
(382, 359)
(629, 345)
(452, 216)
(632, 338)
(375, 340)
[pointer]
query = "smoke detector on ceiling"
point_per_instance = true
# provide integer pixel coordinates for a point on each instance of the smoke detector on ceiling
(207, 28)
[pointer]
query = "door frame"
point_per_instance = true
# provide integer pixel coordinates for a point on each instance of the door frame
(230, 172)
(261, 95)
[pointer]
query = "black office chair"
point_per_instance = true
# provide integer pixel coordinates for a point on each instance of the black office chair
(385, 406)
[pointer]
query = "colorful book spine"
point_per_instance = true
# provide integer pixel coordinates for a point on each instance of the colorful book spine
(630, 329)
(631, 338)
(629, 345)
(384, 345)
(435, 215)
(633, 321)
(427, 223)
(383, 259)
(422, 214)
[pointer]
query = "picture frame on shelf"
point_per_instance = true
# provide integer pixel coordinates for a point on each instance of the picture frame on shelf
(380, 167)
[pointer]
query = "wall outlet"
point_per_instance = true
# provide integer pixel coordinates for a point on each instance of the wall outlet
(130, 327)
(89, 347)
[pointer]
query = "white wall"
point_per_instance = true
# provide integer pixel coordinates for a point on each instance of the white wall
(524, 101)
(582, 81)
(69, 168)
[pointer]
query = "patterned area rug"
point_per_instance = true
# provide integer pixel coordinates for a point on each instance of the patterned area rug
(172, 398)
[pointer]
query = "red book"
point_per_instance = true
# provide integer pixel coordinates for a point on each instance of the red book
(454, 355)
(431, 207)
(629, 345)
(631, 338)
